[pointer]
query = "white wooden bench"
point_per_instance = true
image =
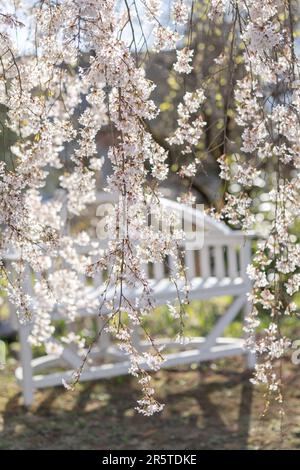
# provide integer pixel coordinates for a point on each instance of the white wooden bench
(216, 269)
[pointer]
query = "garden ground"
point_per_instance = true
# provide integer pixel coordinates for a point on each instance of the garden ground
(211, 406)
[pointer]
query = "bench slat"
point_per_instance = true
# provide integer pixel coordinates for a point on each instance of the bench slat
(204, 262)
(219, 262)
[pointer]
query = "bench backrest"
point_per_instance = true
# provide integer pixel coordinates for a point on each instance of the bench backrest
(214, 251)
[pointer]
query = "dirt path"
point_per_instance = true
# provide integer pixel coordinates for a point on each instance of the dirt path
(211, 407)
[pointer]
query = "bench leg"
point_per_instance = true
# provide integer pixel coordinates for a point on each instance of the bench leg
(250, 356)
(26, 357)
(250, 360)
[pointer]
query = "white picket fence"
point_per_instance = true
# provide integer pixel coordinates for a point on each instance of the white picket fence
(218, 268)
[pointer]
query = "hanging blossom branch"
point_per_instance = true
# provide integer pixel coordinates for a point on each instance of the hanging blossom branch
(134, 243)
(267, 106)
(89, 49)
(41, 92)
(264, 164)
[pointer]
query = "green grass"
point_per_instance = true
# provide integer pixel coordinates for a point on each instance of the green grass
(200, 318)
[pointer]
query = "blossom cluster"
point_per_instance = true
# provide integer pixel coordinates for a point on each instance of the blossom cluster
(266, 103)
(79, 78)
(83, 75)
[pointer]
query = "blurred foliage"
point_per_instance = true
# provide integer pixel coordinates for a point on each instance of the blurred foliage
(208, 40)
